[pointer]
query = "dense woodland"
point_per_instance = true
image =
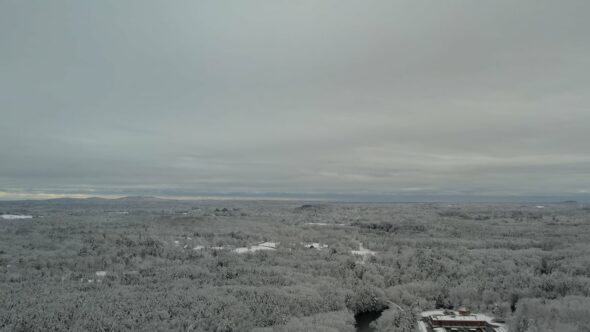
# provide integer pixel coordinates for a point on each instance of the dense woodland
(526, 264)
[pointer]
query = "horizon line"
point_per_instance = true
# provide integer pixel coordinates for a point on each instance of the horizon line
(319, 197)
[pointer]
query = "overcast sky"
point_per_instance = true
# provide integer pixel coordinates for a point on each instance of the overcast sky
(363, 97)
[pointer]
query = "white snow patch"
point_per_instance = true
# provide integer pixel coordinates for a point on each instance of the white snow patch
(176, 243)
(322, 224)
(422, 327)
(429, 313)
(217, 248)
(363, 251)
(101, 273)
(540, 206)
(16, 216)
(198, 248)
(261, 246)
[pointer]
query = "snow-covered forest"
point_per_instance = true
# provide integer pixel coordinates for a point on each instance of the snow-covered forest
(155, 265)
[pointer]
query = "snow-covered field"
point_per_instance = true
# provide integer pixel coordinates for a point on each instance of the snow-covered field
(261, 246)
(322, 224)
(15, 216)
(363, 251)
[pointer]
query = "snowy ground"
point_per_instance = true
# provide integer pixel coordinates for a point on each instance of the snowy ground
(422, 327)
(258, 247)
(16, 216)
(363, 251)
(322, 224)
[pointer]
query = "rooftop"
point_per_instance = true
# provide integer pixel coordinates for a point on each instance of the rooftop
(472, 317)
(443, 321)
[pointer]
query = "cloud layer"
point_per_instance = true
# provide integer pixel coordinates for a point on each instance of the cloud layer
(428, 97)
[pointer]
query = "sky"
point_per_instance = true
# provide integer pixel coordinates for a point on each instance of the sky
(299, 97)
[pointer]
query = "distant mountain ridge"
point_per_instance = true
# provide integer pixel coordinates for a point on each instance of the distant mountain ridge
(141, 199)
(316, 197)
(92, 201)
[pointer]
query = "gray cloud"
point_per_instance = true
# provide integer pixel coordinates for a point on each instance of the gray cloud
(299, 97)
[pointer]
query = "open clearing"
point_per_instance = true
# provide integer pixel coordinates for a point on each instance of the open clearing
(15, 216)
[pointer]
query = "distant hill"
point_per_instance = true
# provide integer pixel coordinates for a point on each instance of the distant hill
(92, 201)
(141, 199)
